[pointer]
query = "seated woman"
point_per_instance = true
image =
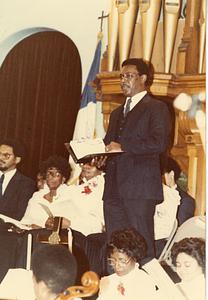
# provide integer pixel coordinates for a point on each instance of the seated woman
(51, 200)
(188, 256)
(80, 206)
(125, 251)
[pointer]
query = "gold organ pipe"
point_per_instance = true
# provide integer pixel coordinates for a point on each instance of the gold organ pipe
(127, 13)
(150, 11)
(171, 15)
(112, 34)
(202, 34)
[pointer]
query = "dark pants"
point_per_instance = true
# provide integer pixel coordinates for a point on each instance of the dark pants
(89, 251)
(10, 247)
(139, 214)
(40, 235)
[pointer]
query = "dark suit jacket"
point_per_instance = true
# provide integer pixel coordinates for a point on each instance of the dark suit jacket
(144, 138)
(14, 201)
(186, 208)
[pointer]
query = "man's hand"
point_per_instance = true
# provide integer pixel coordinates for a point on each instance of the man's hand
(113, 146)
(99, 162)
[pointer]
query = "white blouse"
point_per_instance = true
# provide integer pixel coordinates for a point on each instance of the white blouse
(81, 204)
(136, 285)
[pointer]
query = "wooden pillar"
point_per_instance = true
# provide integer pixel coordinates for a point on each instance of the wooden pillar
(189, 47)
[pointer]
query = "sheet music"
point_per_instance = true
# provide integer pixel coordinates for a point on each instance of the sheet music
(47, 210)
(15, 222)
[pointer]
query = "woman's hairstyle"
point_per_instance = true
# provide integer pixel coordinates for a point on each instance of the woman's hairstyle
(195, 247)
(58, 162)
(128, 241)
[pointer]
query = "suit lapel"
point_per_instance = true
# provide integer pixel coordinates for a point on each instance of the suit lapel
(10, 189)
(137, 111)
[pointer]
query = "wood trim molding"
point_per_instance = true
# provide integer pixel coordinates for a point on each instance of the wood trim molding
(168, 85)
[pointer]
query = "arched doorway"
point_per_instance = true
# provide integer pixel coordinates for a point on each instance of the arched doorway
(40, 88)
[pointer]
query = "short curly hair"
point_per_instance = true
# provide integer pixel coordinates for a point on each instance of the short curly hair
(55, 266)
(169, 164)
(128, 241)
(17, 146)
(194, 247)
(57, 162)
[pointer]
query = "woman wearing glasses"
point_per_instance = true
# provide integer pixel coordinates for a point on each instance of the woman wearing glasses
(80, 206)
(125, 252)
(52, 200)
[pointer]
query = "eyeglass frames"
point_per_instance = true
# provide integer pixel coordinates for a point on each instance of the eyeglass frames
(6, 155)
(112, 262)
(128, 76)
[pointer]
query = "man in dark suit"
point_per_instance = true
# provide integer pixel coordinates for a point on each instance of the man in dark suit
(133, 183)
(17, 189)
(171, 173)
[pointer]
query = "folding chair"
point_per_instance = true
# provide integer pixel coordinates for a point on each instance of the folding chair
(164, 252)
(193, 227)
(167, 288)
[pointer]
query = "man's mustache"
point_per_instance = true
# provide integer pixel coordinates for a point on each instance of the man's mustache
(125, 85)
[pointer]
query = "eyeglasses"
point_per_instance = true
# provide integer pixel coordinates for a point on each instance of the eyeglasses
(53, 174)
(6, 155)
(122, 261)
(128, 76)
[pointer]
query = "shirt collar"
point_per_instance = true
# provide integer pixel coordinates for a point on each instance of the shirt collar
(139, 96)
(8, 175)
(135, 99)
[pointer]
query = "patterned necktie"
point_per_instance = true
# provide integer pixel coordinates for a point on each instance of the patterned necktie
(1, 183)
(127, 108)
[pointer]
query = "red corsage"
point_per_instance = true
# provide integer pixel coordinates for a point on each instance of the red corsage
(121, 289)
(87, 190)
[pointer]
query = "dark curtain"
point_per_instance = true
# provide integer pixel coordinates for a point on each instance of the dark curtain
(40, 88)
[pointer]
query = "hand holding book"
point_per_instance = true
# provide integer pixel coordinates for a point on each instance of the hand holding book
(113, 147)
(85, 150)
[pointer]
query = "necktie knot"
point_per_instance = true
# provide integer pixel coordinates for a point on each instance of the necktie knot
(127, 108)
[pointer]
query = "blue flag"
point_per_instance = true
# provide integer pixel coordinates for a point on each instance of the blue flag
(86, 117)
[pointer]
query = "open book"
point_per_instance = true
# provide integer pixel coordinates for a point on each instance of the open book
(84, 150)
(15, 222)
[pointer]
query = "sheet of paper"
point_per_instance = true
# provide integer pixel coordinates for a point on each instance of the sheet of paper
(47, 210)
(14, 221)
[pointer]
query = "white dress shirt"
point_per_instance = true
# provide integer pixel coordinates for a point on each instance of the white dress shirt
(135, 99)
(7, 177)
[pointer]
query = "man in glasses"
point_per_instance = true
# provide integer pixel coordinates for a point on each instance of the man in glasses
(140, 127)
(15, 192)
(15, 188)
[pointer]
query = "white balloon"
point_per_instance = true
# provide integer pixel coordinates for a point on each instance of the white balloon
(183, 102)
